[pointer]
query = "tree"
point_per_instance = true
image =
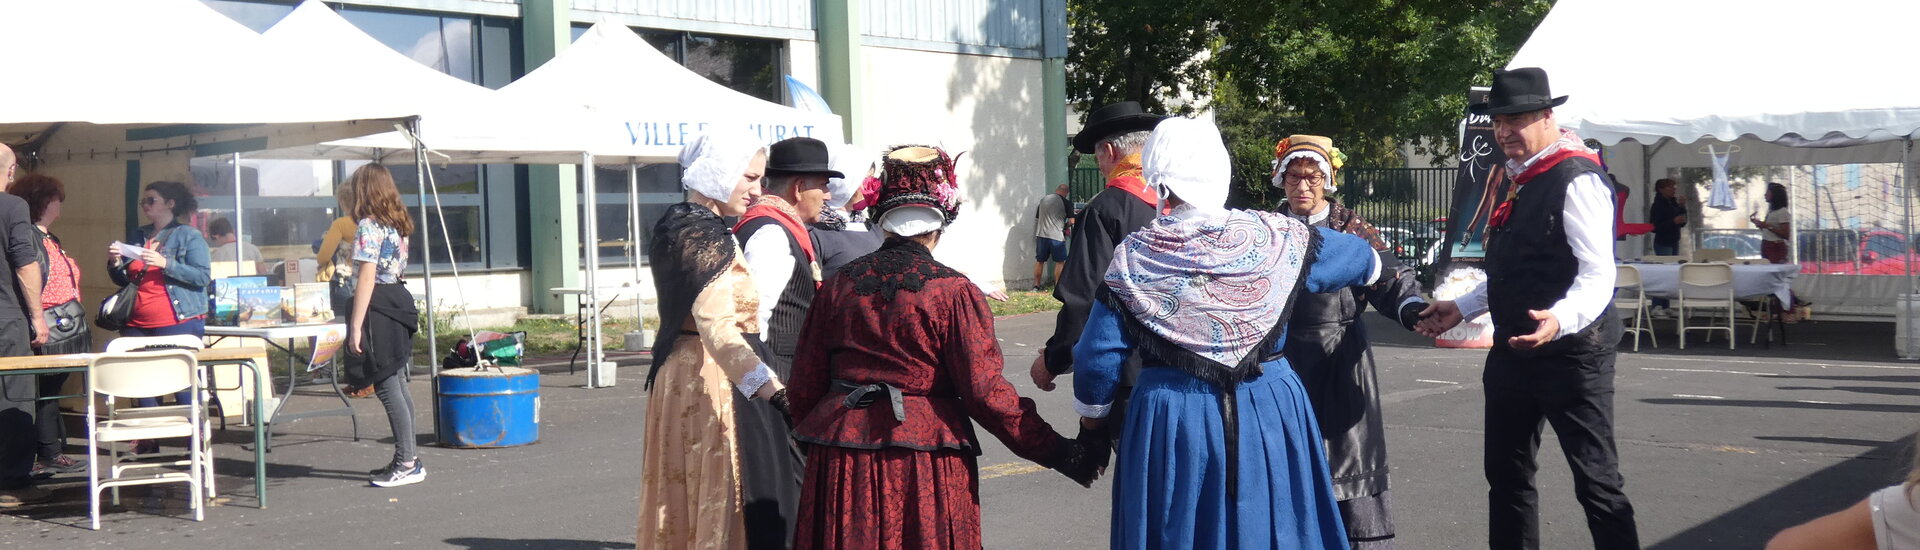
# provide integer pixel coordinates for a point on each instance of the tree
(1371, 74)
(1137, 50)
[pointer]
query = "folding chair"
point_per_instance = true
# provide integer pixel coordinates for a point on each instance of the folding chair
(127, 344)
(1627, 278)
(1709, 287)
(1710, 255)
(136, 375)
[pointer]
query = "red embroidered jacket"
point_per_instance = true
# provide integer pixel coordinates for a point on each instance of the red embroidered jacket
(899, 318)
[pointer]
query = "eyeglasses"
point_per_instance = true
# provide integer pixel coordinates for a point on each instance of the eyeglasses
(150, 201)
(1290, 178)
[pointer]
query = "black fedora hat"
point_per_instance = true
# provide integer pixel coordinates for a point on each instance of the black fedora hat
(1118, 118)
(800, 155)
(1518, 91)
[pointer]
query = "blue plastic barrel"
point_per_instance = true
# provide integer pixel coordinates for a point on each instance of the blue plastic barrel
(490, 408)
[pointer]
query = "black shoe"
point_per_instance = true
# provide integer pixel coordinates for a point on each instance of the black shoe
(396, 477)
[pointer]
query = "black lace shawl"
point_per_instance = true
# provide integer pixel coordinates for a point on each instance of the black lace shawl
(691, 246)
(899, 264)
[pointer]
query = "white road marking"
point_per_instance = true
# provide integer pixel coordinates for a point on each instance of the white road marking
(1813, 402)
(1436, 381)
(1777, 362)
(1691, 396)
(1715, 371)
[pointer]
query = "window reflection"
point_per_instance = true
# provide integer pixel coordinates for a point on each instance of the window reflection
(444, 43)
(254, 15)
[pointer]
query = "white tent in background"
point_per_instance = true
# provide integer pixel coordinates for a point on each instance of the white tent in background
(165, 77)
(1761, 74)
(643, 105)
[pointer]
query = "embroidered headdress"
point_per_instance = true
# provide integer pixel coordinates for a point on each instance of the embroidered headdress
(919, 191)
(1319, 149)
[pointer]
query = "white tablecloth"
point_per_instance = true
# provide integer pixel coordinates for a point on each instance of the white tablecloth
(1749, 281)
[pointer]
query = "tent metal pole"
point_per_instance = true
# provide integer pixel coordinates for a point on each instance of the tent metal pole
(633, 235)
(239, 218)
(426, 273)
(592, 242)
(1906, 203)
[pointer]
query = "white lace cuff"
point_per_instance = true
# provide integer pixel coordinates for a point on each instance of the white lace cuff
(1092, 411)
(750, 384)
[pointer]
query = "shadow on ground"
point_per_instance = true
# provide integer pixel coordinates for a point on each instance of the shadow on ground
(1823, 492)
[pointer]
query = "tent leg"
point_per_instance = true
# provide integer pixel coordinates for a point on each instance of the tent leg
(239, 217)
(598, 373)
(426, 273)
(633, 237)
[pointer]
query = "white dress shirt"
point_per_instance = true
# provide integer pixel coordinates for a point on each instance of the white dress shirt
(1587, 217)
(770, 260)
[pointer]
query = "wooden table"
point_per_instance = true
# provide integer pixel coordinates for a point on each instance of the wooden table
(243, 357)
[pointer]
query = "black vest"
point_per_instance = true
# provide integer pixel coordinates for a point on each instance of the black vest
(790, 311)
(1529, 263)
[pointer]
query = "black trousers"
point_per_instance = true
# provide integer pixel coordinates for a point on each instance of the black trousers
(18, 437)
(1573, 391)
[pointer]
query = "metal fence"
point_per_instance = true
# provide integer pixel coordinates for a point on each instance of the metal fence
(1083, 183)
(1408, 206)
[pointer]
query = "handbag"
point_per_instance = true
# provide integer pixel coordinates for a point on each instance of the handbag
(66, 322)
(117, 309)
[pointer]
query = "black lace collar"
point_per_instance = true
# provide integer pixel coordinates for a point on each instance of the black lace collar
(899, 264)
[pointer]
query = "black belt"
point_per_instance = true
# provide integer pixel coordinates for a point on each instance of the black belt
(860, 396)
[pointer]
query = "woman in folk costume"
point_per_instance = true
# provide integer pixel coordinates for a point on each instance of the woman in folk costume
(1219, 449)
(1327, 344)
(901, 360)
(690, 484)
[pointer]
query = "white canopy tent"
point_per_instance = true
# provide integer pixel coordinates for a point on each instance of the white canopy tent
(1740, 72)
(610, 98)
(137, 80)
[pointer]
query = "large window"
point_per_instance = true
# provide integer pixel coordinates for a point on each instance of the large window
(659, 186)
(289, 204)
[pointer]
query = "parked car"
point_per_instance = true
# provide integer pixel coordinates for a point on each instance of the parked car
(1847, 252)
(1745, 243)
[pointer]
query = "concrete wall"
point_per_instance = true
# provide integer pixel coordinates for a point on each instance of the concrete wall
(988, 107)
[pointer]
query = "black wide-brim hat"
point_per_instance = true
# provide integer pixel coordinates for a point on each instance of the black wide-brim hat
(1518, 91)
(1111, 120)
(800, 155)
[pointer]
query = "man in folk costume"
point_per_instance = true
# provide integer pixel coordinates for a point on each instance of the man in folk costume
(780, 254)
(1549, 289)
(1327, 344)
(1114, 135)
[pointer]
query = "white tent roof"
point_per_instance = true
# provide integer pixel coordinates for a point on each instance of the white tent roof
(459, 117)
(169, 77)
(644, 106)
(1648, 69)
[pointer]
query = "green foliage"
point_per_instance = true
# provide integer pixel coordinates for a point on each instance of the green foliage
(1371, 74)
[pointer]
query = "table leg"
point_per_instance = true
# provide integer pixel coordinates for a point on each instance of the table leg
(260, 390)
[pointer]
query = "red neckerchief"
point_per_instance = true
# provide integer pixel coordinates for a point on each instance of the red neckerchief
(1505, 209)
(1137, 187)
(776, 208)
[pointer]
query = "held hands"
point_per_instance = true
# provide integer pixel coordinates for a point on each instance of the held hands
(1042, 377)
(1438, 318)
(1548, 330)
(1087, 454)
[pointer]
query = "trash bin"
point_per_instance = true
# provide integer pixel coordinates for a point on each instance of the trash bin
(498, 407)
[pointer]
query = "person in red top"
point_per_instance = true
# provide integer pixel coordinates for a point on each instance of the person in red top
(44, 196)
(897, 360)
(173, 273)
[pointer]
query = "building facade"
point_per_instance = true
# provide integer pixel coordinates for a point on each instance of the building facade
(984, 77)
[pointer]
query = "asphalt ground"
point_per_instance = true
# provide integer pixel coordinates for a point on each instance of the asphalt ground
(1720, 449)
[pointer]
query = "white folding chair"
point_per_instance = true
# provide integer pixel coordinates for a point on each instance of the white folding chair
(126, 344)
(1710, 255)
(1706, 287)
(136, 375)
(1627, 278)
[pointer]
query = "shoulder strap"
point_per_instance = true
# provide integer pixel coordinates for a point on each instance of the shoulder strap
(40, 244)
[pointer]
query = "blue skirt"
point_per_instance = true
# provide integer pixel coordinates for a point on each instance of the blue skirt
(1170, 487)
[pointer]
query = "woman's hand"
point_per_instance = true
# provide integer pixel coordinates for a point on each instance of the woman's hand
(353, 341)
(153, 258)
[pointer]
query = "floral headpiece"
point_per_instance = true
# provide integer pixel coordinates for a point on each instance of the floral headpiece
(918, 175)
(1318, 148)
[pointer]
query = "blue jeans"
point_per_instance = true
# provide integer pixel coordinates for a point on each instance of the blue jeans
(1663, 250)
(191, 327)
